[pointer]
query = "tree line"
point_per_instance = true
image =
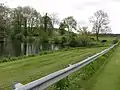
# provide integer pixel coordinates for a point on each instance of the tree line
(27, 26)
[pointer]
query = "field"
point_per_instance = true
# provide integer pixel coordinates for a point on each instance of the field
(32, 68)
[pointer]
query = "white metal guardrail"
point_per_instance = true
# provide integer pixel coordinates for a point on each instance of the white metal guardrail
(52, 78)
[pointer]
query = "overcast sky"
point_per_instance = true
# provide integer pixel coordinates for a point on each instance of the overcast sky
(80, 9)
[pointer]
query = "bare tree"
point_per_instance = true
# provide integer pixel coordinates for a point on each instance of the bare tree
(100, 22)
(84, 31)
(54, 19)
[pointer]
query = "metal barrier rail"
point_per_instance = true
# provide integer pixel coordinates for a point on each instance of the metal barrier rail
(52, 78)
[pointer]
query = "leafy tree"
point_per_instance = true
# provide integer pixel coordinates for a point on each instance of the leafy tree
(4, 12)
(47, 23)
(100, 22)
(70, 24)
(62, 28)
(26, 23)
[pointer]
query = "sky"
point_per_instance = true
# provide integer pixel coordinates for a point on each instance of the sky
(81, 10)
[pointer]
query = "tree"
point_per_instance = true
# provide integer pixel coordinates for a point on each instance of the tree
(70, 24)
(4, 12)
(62, 28)
(54, 19)
(46, 23)
(26, 23)
(100, 22)
(84, 31)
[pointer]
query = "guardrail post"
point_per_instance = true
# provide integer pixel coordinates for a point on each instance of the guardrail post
(18, 85)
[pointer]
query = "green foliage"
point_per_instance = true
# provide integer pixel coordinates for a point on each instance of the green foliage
(62, 84)
(20, 37)
(73, 42)
(56, 40)
(30, 39)
(115, 41)
(84, 40)
(63, 41)
(26, 25)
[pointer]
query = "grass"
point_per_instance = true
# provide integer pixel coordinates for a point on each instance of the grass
(109, 78)
(84, 78)
(32, 68)
(109, 39)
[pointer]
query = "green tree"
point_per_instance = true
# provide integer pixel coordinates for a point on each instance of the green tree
(4, 23)
(47, 23)
(26, 23)
(70, 24)
(62, 28)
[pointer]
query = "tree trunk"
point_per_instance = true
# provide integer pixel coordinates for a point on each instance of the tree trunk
(17, 47)
(2, 47)
(97, 36)
(25, 34)
(25, 48)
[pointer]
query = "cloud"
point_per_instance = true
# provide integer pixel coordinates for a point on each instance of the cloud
(82, 22)
(95, 3)
(115, 0)
(80, 9)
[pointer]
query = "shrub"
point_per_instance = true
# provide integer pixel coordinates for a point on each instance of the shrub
(83, 41)
(63, 42)
(73, 42)
(62, 84)
(115, 41)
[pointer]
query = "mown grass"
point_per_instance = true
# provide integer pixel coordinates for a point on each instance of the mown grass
(32, 68)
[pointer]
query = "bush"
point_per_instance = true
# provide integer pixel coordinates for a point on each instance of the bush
(83, 41)
(73, 42)
(56, 41)
(115, 41)
(62, 84)
(63, 42)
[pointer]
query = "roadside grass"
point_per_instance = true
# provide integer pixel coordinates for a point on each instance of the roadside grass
(86, 77)
(32, 68)
(109, 77)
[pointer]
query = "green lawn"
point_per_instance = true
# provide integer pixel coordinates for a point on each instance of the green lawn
(32, 68)
(109, 77)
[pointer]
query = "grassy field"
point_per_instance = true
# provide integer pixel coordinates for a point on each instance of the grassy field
(108, 38)
(109, 77)
(32, 68)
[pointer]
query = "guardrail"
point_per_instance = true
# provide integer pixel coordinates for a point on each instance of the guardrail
(52, 78)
